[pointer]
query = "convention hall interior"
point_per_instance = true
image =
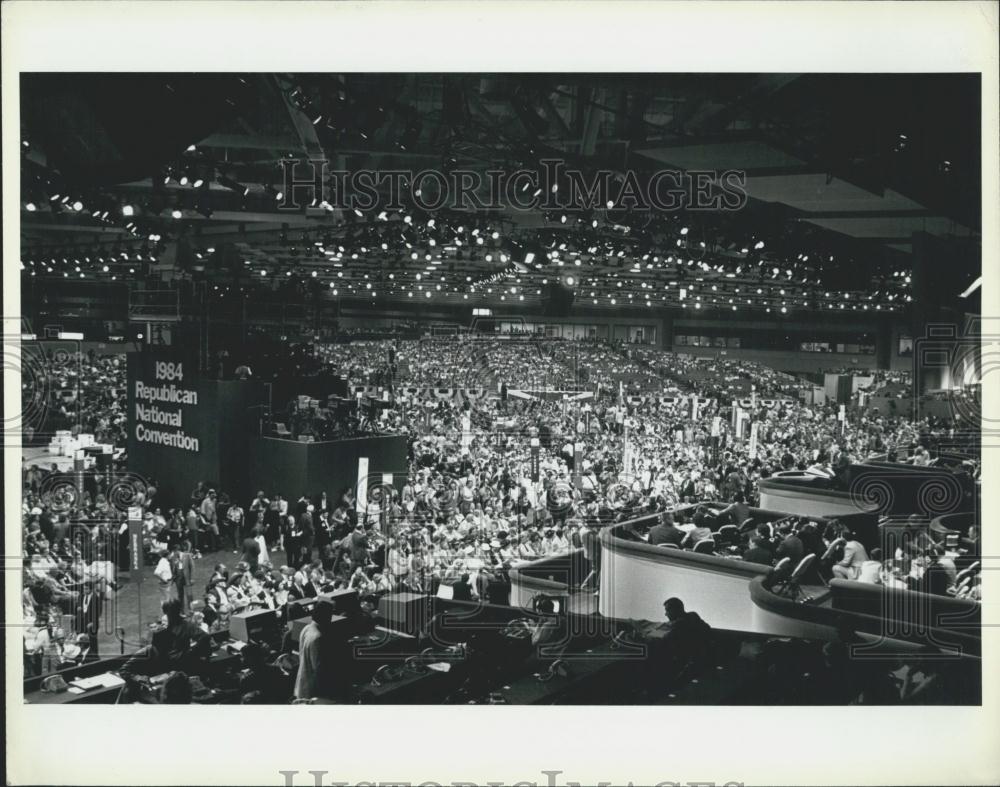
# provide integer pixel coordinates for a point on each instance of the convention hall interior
(557, 389)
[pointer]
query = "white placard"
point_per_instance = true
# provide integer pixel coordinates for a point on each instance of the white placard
(362, 503)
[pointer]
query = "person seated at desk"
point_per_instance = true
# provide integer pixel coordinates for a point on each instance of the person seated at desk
(176, 690)
(666, 532)
(791, 545)
(302, 587)
(934, 578)
(759, 551)
(849, 567)
(462, 589)
(178, 645)
(217, 597)
(262, 682)
(699, 532)
(681, 645)
(548, 635)
(236, 594)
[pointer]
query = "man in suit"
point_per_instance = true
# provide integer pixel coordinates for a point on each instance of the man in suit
(191, 521)
(462, 589)
(758, 552)
(737, 513)
(185, 575)
(311, 651)
(251, 552)
(88, 615)
(666, 532)
(687, 641)
(209, 519)
(307, 534)
(359, 546)
(791, 546)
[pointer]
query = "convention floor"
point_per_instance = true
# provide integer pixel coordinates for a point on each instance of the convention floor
(137, 604)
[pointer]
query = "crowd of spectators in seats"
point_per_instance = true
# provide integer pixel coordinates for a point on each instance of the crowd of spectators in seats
(67, 389)
(470, 507)
(922, 562)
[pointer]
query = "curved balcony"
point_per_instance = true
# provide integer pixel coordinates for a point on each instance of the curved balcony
(636, 578)
(875, 487)
(888, 618)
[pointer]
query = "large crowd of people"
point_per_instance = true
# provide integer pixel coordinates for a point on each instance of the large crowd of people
(64, 388)
(476, 500)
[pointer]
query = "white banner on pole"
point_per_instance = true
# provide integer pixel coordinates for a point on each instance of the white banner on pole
(466, 430)
(741, 418)
(362, 496)
(753, 438)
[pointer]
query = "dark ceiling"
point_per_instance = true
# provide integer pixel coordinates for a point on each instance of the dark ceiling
(840, 170)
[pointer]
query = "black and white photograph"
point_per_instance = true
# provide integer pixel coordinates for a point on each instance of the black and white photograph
(635, 391)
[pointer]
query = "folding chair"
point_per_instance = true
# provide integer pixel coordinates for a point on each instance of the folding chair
(791, 586)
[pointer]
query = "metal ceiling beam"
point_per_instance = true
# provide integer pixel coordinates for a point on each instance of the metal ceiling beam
(717, 116)
(248, 142)
(303, 125)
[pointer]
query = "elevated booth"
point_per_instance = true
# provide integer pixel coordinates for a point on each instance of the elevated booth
(636, 578)
(873, 487)
(889, 618)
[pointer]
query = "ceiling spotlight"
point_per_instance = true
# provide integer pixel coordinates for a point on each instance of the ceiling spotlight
(128, 210)
(30, 207)
(78, 206)
(176, 213)
(759, 245)
(684, 230)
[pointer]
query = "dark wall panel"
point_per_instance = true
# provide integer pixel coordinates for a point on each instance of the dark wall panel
(294, 468)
